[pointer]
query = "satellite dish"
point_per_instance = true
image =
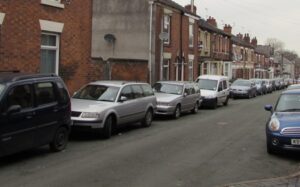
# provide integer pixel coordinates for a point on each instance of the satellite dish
(110, 38)
(164, 36)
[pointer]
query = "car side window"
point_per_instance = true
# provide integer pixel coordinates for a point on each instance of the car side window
(192, 89)
(147, 90)
(20, 95)
(220, 88)
(137, 91)
(44, 93)
(187, 90)
(127, 92)
(224, 84)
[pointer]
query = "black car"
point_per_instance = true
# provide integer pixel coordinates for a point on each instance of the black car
(35, 110)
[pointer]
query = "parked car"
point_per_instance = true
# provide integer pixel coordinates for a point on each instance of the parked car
(243, 88)
(283, 126)
(269, 86)
(174, 97)
(35, 110)
(293, 87)
(102, 106)
(260, 84)
(214, 90)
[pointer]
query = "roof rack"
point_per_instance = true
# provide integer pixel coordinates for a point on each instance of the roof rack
(32, 76)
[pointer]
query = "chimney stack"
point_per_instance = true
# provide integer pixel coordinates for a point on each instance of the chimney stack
(189, 8)
(212, 21)
(240, 36)
(227, 29)
(254, 41)
(247, 38)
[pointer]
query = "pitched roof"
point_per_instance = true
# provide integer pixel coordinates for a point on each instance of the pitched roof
(203, 24)
(238, 41)
(175, 5)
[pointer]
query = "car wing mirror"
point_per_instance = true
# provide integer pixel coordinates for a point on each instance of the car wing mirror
(14, 109)
(123, 99)
(269, 108)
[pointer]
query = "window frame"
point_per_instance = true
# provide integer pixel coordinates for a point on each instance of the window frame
(56, 48)
(168, 29)
(191, 35)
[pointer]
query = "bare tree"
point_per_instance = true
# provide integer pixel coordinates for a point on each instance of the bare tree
(290, 55)
(276, 44)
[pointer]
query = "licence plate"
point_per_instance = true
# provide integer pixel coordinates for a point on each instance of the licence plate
(295, 141)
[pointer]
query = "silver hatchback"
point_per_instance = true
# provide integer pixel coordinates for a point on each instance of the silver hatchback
(174, 97)
(103, 105)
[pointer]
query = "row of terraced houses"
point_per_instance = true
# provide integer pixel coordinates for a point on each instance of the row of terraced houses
(142, 40)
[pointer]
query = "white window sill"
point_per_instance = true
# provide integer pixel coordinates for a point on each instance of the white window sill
(52, 3)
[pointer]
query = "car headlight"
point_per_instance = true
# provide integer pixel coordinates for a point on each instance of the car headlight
(90, 115)
(274, 124)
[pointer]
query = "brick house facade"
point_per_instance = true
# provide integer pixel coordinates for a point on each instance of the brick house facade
(215, 48)
(50, 37)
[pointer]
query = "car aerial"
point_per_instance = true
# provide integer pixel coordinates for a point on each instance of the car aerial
(175, 97)
(102, 106)
(283, 126)
(293, 86)
(260, 84)
(35, 110)
(214, 90)
(243, 88)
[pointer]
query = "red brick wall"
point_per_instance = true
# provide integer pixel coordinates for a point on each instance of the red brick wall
(21, 33)
(177, 23)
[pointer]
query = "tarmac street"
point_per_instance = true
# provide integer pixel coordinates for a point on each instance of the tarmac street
(210, 148)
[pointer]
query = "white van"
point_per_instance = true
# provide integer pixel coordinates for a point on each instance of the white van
(214, 90)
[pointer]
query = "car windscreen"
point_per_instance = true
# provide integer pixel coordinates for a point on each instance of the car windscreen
(98, 93)
(168, 88)
(241, 83)
(207, 84)
(288, 103)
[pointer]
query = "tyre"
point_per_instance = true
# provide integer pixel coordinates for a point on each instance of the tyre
(196, 108)
(146, 122)
(226, 101)
(107, 130)
(60, 140)
(177, 112)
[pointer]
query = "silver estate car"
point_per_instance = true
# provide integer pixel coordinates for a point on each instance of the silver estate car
(174, 97)
(103, 105)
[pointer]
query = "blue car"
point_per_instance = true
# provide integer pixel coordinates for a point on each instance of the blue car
(283, 126)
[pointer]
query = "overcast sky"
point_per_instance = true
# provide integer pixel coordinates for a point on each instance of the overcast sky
(261, 18)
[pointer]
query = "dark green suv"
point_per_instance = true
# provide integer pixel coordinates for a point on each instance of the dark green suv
(35, 110)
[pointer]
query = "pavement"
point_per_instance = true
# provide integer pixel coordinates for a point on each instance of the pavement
(287, 181)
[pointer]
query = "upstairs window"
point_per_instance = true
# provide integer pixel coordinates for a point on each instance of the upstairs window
(167, 28)
(49, 53)
(191, 35)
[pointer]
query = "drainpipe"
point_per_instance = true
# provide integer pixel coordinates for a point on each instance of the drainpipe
(181, 57)
(150, 42)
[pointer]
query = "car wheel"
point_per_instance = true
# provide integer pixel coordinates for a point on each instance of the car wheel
(226, 101)
(107, 130)
(177, 112)
(60, 139)
(196, 108)
(215, 104)
(146, 122)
